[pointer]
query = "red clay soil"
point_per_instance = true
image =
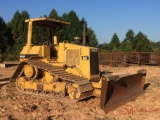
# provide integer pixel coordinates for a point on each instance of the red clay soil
(26, 107)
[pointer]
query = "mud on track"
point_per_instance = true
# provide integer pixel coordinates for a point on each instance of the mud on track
(29, 107)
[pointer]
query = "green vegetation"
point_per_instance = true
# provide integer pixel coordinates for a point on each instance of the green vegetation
(131, 43)
(13, 35)
(115, 43)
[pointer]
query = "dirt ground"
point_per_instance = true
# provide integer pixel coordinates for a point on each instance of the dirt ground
(26, 107)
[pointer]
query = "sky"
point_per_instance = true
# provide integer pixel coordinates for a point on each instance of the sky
(105, 17)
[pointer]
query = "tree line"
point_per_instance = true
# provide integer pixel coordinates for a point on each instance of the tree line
(13, 35)
(131, 43)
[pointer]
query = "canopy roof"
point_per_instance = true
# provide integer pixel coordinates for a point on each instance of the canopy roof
(47, 22)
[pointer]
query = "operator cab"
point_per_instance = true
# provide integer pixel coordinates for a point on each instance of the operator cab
(43, 49)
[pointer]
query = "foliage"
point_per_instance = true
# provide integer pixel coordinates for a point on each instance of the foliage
(130, 36)
(5, 36)
(104, 47)
(12, 52)
(40, 35)
(155, 46)
(127, 44)
(132, 42)
(91, 37)
(18, 29)
(114, 43)
(53, 14)
(142, 43)
(74, 29)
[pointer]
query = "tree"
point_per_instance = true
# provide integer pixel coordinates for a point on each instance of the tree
(18, 29)
(127, 44)
(5, 36)
(53, 14)
(62, 31)
(91, 37)
(14, 25)
(142, 43)
(74, 29)
(130, 36)
(115, 43)
(104, 47)
(24, 15)
(18, 26)
(40, 34)
(155, 46)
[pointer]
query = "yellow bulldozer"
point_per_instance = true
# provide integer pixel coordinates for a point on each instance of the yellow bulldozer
(70, 71)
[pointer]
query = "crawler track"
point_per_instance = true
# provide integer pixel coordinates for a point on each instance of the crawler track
(84, 86)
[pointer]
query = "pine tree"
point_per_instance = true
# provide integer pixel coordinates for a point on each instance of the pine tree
(5, 36)
(74, 29)
(142, 43)
(53, 14)
(115, 43)
(18, 29)
(127, 44)
(91, 36)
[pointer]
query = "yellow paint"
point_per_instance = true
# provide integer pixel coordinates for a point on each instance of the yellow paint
(97, 92)
(67, 53)
(58, 87)
(23, 84)
(72, 91)
(73, 71)
(29, 43)
(28, 71)
(30, 85)
(96, 84)
(47, 78)
(75, 57)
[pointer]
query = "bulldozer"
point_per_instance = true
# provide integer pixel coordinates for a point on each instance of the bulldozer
(66, 70)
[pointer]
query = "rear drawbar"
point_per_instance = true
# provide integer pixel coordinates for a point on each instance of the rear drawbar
(117, 90)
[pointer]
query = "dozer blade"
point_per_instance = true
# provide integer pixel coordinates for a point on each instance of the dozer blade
(119, 89)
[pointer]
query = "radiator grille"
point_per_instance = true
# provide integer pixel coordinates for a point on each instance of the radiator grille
(94, 63)
(72, 57)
